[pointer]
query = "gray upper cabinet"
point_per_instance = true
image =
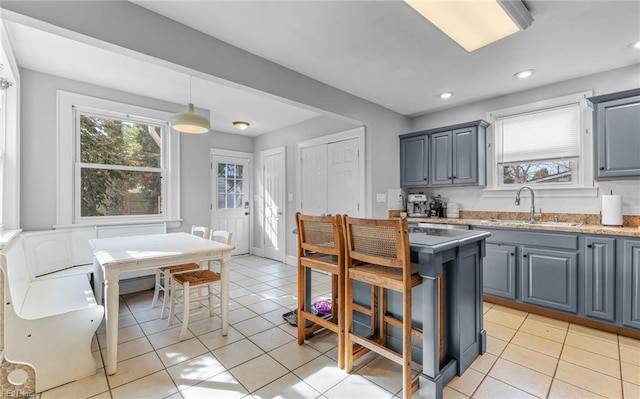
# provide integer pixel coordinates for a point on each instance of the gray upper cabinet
(600, 275)
(456, 156)
(616, 122)
(414, 161)
(631, 284)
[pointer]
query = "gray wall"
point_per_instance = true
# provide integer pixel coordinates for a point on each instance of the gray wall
(38, 150)
(473, 198)
(156, 36)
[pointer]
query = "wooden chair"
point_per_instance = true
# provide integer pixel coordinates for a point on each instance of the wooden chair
(378, 253)
(321, 247)
(164, 274)
(185, 283)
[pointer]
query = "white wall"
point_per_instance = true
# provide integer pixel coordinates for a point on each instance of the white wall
(474, 198)
(38, 150)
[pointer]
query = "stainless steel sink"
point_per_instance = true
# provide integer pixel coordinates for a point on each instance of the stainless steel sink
(559, 224)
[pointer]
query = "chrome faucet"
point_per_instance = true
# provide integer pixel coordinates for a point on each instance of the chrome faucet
(533, 208)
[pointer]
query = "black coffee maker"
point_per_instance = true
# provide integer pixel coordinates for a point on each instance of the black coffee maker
(436, 207)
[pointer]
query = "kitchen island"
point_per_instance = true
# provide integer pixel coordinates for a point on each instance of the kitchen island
(451, 309)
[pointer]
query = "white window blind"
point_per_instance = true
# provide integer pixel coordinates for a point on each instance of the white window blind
(547, 134)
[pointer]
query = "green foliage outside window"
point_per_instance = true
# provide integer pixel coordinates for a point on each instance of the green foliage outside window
(120, 171)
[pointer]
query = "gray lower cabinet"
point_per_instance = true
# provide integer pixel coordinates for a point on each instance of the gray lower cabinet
(631, 284)
(499, 270)
(550, 278)
(414, 161)
(616, 123)
(600, 278)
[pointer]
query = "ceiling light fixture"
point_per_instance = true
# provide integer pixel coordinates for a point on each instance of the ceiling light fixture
(474, 24)
(524, 74)
(189, 121)
(446, 95)
(241, 125)
(635, 45)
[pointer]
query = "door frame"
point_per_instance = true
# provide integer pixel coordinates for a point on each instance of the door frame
(249, 182)
(357, 133)
(262, 203)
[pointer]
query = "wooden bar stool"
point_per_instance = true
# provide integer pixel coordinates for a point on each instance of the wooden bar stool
(164, 274)
(378, 253)
(321, 247)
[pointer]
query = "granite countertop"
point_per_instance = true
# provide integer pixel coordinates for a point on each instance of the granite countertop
(630, 231)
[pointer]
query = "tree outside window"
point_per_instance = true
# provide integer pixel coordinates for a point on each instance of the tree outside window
(120, 167)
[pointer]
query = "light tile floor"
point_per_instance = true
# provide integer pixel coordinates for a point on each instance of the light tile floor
(527, 355)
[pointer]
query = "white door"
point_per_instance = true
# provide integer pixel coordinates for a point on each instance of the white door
(313, 184)
(231, 185)
(273, 187)
(331, 178)
(343, 176)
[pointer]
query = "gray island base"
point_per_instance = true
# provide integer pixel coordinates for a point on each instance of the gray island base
(453, 333)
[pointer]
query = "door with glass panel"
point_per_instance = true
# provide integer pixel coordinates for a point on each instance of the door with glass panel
(230, 208)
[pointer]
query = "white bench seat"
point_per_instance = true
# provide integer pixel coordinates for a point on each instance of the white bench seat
(49, 322)
(70, 293)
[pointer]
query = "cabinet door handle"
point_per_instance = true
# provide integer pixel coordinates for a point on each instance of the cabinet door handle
(524, 255)
(602, 168)
(512, 254)
(589, 246)
(455, 177)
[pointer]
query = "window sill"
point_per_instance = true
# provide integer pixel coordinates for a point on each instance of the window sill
(171, 223)
(545, 192)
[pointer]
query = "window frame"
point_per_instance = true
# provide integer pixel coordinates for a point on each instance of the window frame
(584, 181)
(70, 106)
(10, 137)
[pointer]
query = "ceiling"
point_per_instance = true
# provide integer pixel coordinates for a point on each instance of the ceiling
(382, 51)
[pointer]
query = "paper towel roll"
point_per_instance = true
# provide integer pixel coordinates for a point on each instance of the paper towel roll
(612, 210)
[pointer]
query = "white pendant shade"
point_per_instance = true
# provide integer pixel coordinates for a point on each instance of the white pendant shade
(190, 122)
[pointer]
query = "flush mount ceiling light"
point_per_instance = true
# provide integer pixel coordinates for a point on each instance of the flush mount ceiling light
(189, 121)
(474, 24)
(524, 74)
(241, 125)
(635, 45)
(446, 95)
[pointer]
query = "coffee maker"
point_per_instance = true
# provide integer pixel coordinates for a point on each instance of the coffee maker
(417, 205)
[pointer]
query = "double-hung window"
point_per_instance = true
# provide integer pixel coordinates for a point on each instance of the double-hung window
(543, 145)
(117, 163)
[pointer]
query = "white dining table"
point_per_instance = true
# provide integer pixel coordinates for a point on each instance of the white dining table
(116, 255)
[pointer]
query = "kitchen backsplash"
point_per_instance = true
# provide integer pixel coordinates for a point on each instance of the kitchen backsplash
(476, 199)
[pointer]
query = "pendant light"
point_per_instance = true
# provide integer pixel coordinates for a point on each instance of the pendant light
(189, 121)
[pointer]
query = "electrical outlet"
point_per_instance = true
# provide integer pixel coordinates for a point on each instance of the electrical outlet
(381, 197)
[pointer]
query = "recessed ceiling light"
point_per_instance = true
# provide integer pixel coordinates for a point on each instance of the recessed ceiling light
(446, 95)
(635, 45)
(241, 125)
(524, 74)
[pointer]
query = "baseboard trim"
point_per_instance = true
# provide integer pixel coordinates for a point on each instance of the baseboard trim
(627, 332)
(291, 260)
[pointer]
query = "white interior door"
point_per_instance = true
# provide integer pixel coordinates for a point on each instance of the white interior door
(343, 176)
(231, 193)
(313, 184)
(273, 187)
